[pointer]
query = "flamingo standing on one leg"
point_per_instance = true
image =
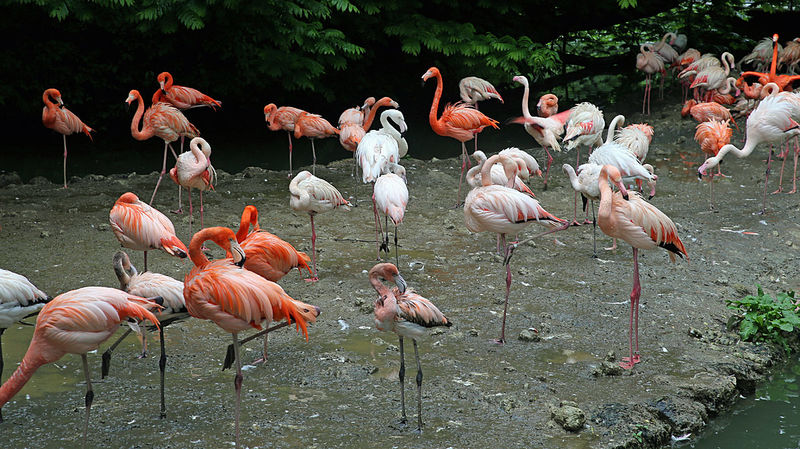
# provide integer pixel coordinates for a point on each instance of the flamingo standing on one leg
(772, 122)
(141, 228)
(19, 299)
(407, 314)
(629, 217)
(314, 127)
(648, 62)
(314, 195)
(193, 170)
(545, 131)
(284, 118)
(473, 89)
(503, 210)
(233, 298)
(390, 194)
(165, 291)
(459, 121)
(76, 322)
(61, 120)
(713, 135)
(161, 120)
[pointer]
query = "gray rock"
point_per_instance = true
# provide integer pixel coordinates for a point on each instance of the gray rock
(606, 368)
(7, 178)
(39, 180)
(530, 335)
(568, 416)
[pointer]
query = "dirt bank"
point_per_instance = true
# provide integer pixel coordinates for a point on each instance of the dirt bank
(340, 388)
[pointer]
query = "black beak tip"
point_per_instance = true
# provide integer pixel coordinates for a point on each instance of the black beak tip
(650, 197)
(699, 175)
(625, 196)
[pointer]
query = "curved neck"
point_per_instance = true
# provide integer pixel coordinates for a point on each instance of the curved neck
(379, 287)
(50, 116)
(47, 102)
(613, 126)
(509, 166)
(145, 133)
(195, 246)
(249, 217)
(729, 148)
(525, 110)
(434, 121)
(573, 178)
(385, 101)
(33, 359)
(388, 128)
(605, 191)
(770, 89)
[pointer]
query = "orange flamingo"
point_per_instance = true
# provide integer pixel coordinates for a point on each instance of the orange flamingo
(314, 127)
(61, 120)
(703, 112)
(19, 299)
(180, 96)
(503, 210)
(713, 135)
(76, 322)
(233, 298)
(459, 121)
(193, 170)
(629, 217)
(141, 228)
(284, 118)
(163, 121)
(407, 314)
(785, 82)
(314, 195)
(166, 292)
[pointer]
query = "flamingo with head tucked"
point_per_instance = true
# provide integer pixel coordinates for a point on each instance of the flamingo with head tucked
(180, 96)
(61, 120)
(314, 127)
(193, 170)
(284, 118)
(459, 121)
(473, 89)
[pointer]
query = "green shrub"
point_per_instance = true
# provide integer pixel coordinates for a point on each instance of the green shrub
(762, 318)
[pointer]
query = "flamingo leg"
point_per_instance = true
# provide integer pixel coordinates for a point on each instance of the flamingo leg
(547, 171)
(402, 375)
(89, 396)
(794, 175)
(162, 367)
(290, 153)
(180, 189)
(594, 232)
(785, 154)
(378, 230)
(65, 159)
(419, 387)
(633, 326)
(575, 197)
(766, 182)
(237, 382)
(314, 277)
(396, 262)
(145, 261)
(1, 357)
(106, 358)
(314, 158)
(229, 355)
(644, 98)
(191, 213)
(163, 170)
(461, 175)
(507, 263)
(201, 208)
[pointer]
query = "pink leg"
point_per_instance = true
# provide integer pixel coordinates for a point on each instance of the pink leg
(502, 338)
(766, 182)
(785, 155)
(378, 231)
(65, 159)
(163, 170)
(613, 247)
(290, 153)
(237, 383)
(794, 175)
(201, 209)
(575, 197)
(314, 156)
(461, 175)
(644, 98)
(547, 171)
(314, 277)
(633, 327)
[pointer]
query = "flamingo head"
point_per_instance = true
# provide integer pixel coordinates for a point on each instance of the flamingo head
(165, 81)
(775, 37)
(368, 103)
(613, 175)
(521, 79)
(268, 110)
(236, 251)
(131, 96)
(54, 95)
(433, 71)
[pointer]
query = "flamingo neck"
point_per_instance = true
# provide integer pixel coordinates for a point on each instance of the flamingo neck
(605, 194)
(613, 126)
(168, 81)
(434, 121)
(195, 246)
(772, 66)
(249, 217)
(573, 177)
(509, 166)
(729, 148)
(525, 95)
(382, 289)
(146, 132)
(30, 363)
(385, 101)
(52, 109)
(389, 129)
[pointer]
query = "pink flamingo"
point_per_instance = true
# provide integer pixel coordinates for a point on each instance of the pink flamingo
(547, 105)
(584, 127)
(284, 118)
(76, 322)
(703, 112)
(771, 122)
(545, 131)
(459, 121)
(498, 175)
(390, 195)
(407, 314)
(19, 299)
(314, 195)
(61, 120)
(351, 132)
(180, 96)
(163, 121)
(141, 228)
(314, 127)
(193, 170)
(473, 89)
(166, 291)
(648, 62)
(629, 217)
(233, 298)
(503, 210)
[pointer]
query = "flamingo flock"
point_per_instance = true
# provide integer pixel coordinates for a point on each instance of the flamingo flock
(240, 291)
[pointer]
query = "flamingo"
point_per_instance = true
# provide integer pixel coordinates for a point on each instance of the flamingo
(314, 127)
(790, 56)
(584, 127)
(390, 195)
(351, 132)
(314, 195)
(141, 228)
(407, 314)
(625, 161)
(194, 170)
(545, 131)
(180, 96)
(685, 59)
(498, 175)
(772, 122)
(356, 115)
(762, 53)
(703, 112)
(637, 138)
(380, 147)
(665, 51)
(547, 105)
(713, 135)
(233, 298)
(19, 299)
(527, 164)
(648, 62)
(76, 322)
(629, 217)
(715, 77)
(61, 120)
(473, 89)
(459, 121)
(161, 120)
(584, 181)
(166, 291)
(505, 211)
(284, 118)
(784, 82)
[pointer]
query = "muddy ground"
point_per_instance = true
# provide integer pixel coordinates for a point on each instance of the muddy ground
(340, 388)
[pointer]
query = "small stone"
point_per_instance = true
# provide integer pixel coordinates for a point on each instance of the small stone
(508, 404)
(377, 341)
(722, 280)
(44, 234)
(473, 332)
(39, 180)
(392, 348)
(438, 331)
(607, 369)
(788, 243)
(530, 334)
(103, 227)
(568, 416)
(8, 178)
(775, 233)
(610, 356)
(72, 210)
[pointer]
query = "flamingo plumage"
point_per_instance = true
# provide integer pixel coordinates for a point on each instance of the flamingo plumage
(282, 118)
(193, 170)
(314, 127)
(61, 120)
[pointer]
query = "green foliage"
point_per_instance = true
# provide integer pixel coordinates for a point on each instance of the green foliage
(627, 3)
(762, 318)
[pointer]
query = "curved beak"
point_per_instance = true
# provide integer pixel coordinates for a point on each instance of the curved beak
(401, 283)
(238, 254)
(622, 189)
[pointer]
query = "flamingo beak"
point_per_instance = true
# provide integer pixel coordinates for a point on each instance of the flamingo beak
(401, 283)
(238, 253)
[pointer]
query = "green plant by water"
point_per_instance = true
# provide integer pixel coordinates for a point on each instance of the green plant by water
(763, 318)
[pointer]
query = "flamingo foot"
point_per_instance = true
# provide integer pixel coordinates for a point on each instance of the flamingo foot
(792, 191)
(457, 206)
(626, 365)
(177, 211)
(587, 221)
(636, 359)
(258, 361)
(575, 223)
(143, 355)
(780, 190)
(611, 248)
(498, 341)
(311, 279)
